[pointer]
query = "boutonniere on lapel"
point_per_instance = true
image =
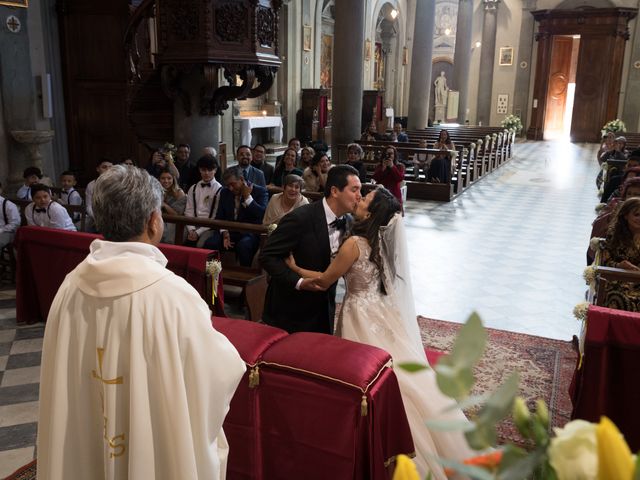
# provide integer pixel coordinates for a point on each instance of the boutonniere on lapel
(207, 199)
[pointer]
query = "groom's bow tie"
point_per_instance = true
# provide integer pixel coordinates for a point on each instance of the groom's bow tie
(339, 223)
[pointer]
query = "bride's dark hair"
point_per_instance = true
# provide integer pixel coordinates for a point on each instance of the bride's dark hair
(382, 208)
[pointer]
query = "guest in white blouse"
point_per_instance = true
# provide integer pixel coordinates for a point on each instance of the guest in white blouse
(9, 220)
(44, 212)
(285, 202)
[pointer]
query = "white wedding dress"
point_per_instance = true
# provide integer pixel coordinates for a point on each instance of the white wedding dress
(389, 322)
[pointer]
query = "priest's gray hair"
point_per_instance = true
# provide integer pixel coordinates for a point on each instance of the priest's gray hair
(123, 201)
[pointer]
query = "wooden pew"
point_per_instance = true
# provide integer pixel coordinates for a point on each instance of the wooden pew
(252, 280)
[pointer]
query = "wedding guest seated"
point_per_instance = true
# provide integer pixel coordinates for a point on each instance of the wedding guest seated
(608, 145)
(287, 166)
(187, 169)
(315, 175)
(421, 161)
(306, 155)
(32, 176)
(440, 167)
(295, 144)
(160, 160)
(621, 249)
(390, 173)
(250, 173)
(259, 160)
(44, 212)
(614, 188)
(399, 134)
(614, 175)
(136, 383)
(210, 151)
(600, 226)
(102, 166)
(69, 195)
(619, 151)
(128, 162)
(240, 201)
(371, 133)
(203, 199)
(355, 154)
(174, 202)
(282, 203)
(9, 220)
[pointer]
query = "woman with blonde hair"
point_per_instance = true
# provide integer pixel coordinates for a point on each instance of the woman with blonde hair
(173, 203)
(285, 202)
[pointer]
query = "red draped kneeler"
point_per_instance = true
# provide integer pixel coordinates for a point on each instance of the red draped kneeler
(46, 255)
(241, 423)
(329, 408)
(607, 381)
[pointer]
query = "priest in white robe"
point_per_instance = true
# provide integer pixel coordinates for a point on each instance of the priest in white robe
(135, 381)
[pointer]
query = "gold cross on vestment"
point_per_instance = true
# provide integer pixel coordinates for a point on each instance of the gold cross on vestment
(113, 381)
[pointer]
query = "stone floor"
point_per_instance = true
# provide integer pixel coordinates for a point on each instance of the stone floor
(512, 247)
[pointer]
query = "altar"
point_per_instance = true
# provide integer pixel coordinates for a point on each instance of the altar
(249, 123)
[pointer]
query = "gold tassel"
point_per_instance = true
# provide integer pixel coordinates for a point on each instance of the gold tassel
(254, 377)
(364, 408)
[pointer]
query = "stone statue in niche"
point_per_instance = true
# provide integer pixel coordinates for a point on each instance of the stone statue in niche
(441, 90)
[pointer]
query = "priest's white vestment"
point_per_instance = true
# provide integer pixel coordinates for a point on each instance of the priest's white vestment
(135, 382)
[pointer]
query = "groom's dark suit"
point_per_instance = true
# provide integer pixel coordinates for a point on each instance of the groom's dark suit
(303, 232)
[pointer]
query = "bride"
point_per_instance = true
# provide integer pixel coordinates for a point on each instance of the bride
(378, 310)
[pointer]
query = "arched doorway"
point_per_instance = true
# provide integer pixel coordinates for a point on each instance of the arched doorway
(595, 38)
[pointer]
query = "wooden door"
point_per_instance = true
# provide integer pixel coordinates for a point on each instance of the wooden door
(593, 75)
(559, 74)
(92, 34)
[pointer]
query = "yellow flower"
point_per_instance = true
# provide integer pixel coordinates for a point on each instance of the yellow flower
(615, 459)
(573, 452)
(405, 469)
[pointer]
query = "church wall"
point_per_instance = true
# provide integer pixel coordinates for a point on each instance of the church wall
(507, 35)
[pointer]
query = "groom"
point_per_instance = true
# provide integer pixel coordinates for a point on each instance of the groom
(312, 233)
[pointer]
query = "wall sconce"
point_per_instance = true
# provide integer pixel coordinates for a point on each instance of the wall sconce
(478, 44)
(393, 13)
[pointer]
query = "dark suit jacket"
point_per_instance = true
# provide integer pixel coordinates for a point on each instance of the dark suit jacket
(251, 214)
(266, 169)
(255, 176)
(303, 232)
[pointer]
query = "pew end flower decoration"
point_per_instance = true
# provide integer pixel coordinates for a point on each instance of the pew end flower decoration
(579, 450)
(615, 126)
(512, 121)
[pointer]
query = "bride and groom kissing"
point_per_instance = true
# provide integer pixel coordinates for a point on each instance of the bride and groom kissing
(315, 245)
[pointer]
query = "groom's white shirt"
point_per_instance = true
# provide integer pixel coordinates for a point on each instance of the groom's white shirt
(334, 233)
(135, 381)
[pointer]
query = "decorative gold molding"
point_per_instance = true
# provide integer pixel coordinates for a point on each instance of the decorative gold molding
(21, 4)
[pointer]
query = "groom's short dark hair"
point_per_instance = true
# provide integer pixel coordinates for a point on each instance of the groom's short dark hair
(338, 177)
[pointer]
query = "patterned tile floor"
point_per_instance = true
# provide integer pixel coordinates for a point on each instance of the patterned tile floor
(512, 247)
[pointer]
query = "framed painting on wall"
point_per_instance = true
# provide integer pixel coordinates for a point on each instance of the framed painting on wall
(506, 56)
(306, 38)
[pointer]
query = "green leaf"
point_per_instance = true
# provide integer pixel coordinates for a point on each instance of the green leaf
(454, 383)
(482, 436)
(519, 468)
(450, 425)
(413, 367)
(636, 473)
(454, 372)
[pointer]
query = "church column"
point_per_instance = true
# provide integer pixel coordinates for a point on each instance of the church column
(191, 125)
(487, 58)
(348, 60)
(525, 50)
(631, 101)
(462, 56)
(421, 62)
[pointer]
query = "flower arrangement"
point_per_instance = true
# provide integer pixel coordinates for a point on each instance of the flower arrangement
(589, 275)
(580, 311)
(512, 121)
(579, 450)
(615, 126)
(213, 269)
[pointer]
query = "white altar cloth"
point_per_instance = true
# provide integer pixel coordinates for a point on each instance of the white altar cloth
(248, 123)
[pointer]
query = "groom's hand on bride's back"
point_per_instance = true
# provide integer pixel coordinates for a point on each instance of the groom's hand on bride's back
(311, 285)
